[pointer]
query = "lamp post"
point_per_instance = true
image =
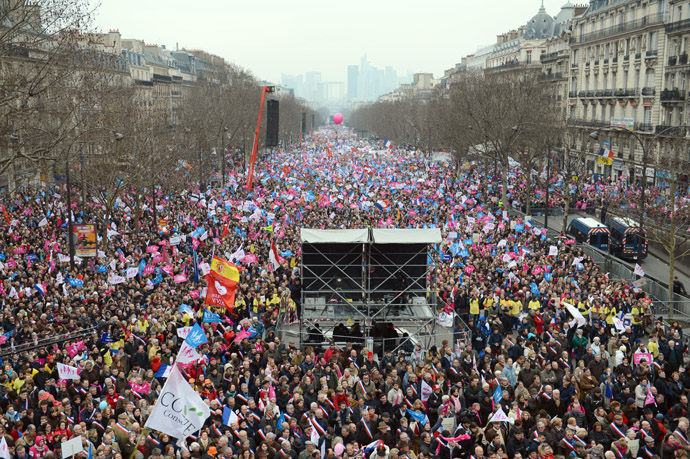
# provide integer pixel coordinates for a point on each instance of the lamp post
(515, 129)
(222, 157)
(646, 151)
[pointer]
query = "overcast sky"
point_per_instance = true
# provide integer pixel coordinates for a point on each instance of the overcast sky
(271, 37)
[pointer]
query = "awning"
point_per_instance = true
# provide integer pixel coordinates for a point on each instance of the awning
(407, 236)
(335, 236)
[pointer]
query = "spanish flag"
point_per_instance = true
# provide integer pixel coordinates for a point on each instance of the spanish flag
(225, 271)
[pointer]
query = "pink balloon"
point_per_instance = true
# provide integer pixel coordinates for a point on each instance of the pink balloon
(339, 448)
(338, 118)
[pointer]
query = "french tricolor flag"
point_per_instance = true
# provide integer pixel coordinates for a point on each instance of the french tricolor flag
(387, 143)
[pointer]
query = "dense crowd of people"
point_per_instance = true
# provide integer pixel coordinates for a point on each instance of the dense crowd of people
(548, 351)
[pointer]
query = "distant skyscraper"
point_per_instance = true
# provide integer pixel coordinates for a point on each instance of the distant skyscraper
(294, 82)
(312, 89)
(352, 82)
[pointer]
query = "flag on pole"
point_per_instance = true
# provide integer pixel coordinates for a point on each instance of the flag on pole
(426, 391)
(500, 416)
(650, 398)
(273, 256)
(638, 270)
(179, 411)
(605, 154)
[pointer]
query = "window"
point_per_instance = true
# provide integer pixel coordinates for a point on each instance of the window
(529, 57)
(637, 79)
(649, 78)
(648, 115)
(653, 41)
(625, 79)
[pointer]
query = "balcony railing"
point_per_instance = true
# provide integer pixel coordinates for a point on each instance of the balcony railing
(672, 60)
(638, 56)
(683, 59)
(678, 26)
(645, 127)
(582, 94)
(648, 91)
(652, 53)
(591, 93)
(608, 92)
(620, 28)
(572, 94)
(614, 60)
(631, 92)
(672, 95)
(671, 131)
(619, 93)
(599, 93)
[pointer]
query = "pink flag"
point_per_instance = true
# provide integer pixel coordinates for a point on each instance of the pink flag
(140, 388)
(152, 249)
(650, 398)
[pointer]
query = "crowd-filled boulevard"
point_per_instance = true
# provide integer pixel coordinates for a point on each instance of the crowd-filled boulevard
(161, 338)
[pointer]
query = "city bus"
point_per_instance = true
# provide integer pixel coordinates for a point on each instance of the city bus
(627, 240)
(587, 230)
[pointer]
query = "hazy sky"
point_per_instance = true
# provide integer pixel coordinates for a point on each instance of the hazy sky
(271, 37)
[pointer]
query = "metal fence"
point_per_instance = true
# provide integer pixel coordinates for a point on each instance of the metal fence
(654, 288)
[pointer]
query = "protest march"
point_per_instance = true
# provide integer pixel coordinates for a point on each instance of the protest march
(163, 341)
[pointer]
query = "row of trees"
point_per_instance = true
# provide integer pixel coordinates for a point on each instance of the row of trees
(67, 106)
(504, 119)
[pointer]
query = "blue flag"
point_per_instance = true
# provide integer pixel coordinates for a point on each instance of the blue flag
(535, 289)
(196, 336)
(419, 417)
(75, 282)
(211, 318)
(196, 267)
(281, 420)
(102, 268)
(609, 393)
(142, 265)
(498, 394)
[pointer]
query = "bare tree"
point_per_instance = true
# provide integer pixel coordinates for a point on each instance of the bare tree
(39, 43)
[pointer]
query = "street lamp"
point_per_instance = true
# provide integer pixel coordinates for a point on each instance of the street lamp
(646, 151)
(70, 223)
(593, 135)
(222, 157)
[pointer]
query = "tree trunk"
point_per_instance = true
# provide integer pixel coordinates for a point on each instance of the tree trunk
(566, 209)
(504, 183)
(528, 193)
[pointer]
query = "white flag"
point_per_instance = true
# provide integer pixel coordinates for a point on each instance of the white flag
(205, 268)
(59, 279)
(187, 354)
(114, 280)
(43, 222)
(638, 270)
(553, 251)
(4, 450)
(579, 318)
(273, 256)
(67, 371)
(131, 272)
(238, 256)
(179, 411)
(500, 416)
(426, 391)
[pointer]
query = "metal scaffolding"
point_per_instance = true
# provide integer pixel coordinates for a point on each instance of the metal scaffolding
(381, 282)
